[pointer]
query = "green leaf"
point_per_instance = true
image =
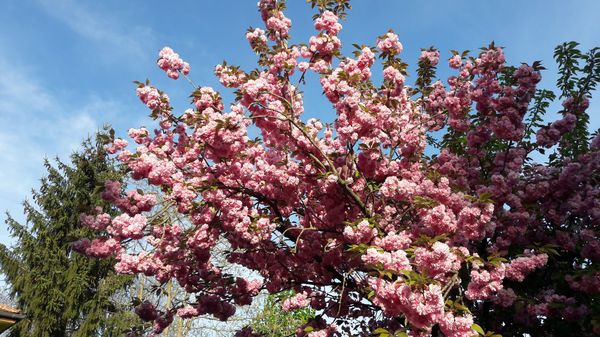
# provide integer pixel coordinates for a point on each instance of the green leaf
(478, 329)
(424, 202)
(380, 330)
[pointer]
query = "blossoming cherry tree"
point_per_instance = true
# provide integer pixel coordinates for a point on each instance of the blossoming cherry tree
(419, 211)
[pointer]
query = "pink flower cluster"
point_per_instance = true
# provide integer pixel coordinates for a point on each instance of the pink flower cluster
(125, 226)
(171, 63)
(576, 105)
(99, 248)
(504, 297)
(207, 98)
(299, 300)
(393, 76)
(395, 261)
(324, 45)
(437, 261)
(154, 99)
(457, 326)
(485, 283)
(279, 25)
(490, 59)
(389, 44)
(421, 307)
(133, 202)
(329, 331)
(394, 241)
(328, 22)
(550, 135)
(363, 233)
(131, 264)
(455, 62)
(188, 312)
(118, 145)
(432, 56)
(585, 283)
(559, 306)
(518, 268)
(98, 222)
(229, 77)
(257, 38)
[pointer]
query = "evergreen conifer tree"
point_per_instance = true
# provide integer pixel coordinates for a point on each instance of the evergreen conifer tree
(63, 293)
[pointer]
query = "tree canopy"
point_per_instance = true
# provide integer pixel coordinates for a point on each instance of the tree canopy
(422, 209)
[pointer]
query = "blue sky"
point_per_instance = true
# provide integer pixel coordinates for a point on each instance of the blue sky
(66, 66)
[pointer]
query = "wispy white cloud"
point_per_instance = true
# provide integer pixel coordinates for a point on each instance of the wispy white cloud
(36, 122)
(114, 38)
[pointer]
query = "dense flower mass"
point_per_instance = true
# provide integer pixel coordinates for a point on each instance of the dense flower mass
(374, 221)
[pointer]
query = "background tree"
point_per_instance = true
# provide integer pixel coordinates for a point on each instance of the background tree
(60, 292)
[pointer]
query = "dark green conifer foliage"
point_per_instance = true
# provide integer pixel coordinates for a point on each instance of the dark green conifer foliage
(61, 292)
